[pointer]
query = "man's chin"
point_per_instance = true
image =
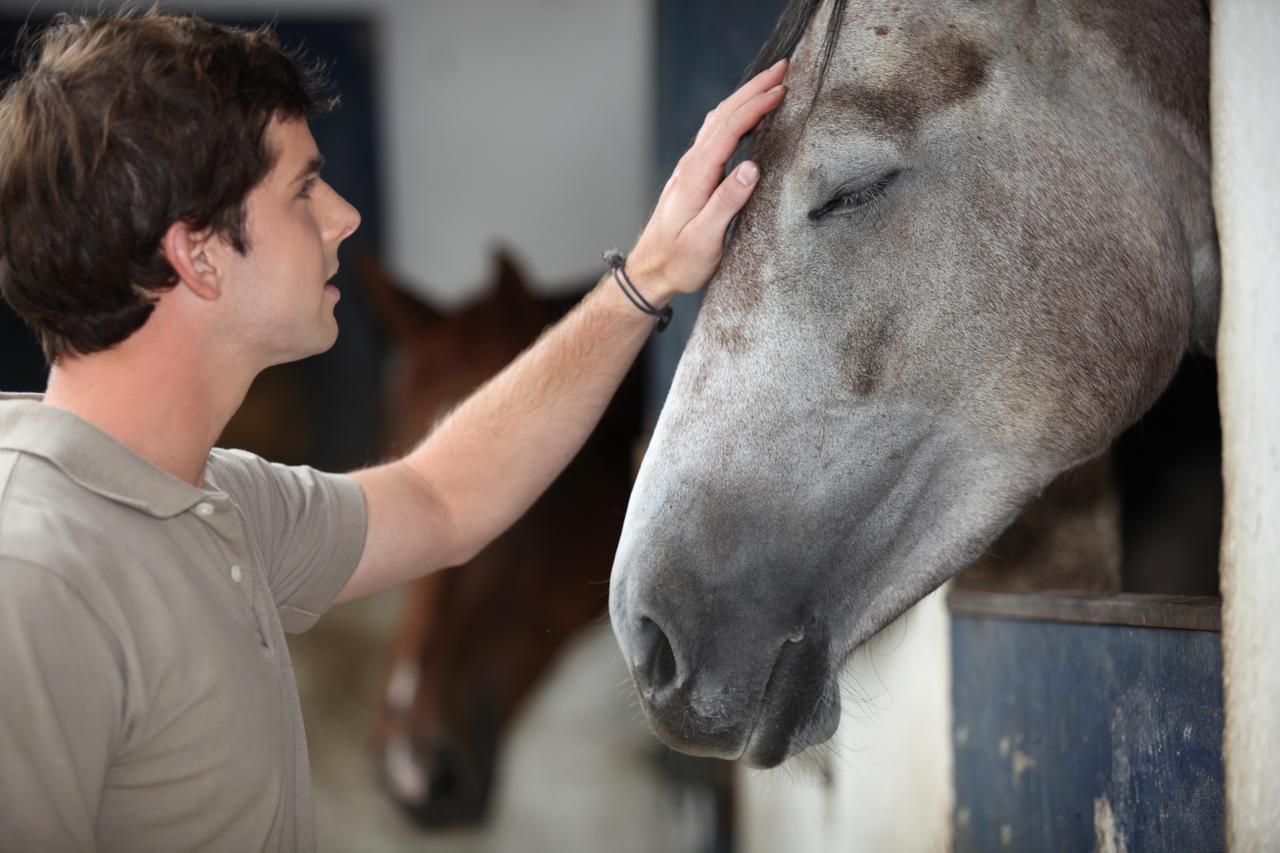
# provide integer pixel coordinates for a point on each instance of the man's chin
(329, 342)
(321, 342)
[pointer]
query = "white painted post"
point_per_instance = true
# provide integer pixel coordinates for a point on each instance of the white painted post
(1245, 108)
(886, 779)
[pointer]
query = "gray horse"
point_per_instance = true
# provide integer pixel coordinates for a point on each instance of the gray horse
(981, 246)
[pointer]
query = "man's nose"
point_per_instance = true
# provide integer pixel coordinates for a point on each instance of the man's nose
(346, 219)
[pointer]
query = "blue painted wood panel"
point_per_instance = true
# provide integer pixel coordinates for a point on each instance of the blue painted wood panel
(1071, 736)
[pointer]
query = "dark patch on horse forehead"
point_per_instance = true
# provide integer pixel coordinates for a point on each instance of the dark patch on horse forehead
(948, 70)
(1164, 44)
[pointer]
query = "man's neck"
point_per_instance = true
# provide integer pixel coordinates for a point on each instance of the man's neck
(163, 399)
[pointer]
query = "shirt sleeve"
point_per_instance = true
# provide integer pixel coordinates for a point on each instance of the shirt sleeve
(62, 695)
(309, 526)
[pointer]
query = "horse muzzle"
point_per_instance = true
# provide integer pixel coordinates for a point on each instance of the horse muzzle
(709, 699)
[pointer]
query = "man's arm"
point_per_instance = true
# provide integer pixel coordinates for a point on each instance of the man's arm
(490, 460)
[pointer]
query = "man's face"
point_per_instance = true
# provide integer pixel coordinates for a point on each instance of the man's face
(281, 304)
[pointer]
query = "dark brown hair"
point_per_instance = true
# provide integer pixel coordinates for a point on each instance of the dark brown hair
(117, 128)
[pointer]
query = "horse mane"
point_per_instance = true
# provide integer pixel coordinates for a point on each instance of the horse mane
(791, 28)
(781, 43)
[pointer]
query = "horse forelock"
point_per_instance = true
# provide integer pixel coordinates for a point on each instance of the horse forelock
(782, 43)
(791, 27)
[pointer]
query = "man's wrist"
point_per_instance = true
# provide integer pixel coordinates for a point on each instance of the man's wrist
(616, 302)
(649, 277)
(635, 288)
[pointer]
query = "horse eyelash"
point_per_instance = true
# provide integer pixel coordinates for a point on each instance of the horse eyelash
(847, 202)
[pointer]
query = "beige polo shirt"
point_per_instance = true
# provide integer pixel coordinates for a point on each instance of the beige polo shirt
(147, 700)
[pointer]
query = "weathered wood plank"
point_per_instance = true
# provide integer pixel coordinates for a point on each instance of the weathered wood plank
(1191, 613)
(1086, 737)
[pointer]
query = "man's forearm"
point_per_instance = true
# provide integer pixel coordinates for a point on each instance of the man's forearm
(493, 456)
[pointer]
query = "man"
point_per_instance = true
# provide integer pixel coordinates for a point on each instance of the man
(165, 231)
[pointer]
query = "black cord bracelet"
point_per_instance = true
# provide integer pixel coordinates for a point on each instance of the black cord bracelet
(617, 263)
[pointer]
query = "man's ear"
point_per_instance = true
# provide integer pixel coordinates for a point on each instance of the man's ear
(191, 254)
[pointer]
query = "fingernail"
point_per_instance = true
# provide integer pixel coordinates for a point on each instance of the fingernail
(781, 87)
(747, 173)
(781, 61)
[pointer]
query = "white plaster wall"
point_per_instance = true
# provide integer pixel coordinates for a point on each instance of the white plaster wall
(885, 781)
(1245, 111)
(527, 123)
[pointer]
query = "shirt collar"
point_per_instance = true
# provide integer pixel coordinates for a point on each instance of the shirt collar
(91, 458)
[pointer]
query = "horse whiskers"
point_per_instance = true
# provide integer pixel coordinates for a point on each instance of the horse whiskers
(858, 697)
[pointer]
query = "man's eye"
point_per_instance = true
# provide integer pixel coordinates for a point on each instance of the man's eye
(849, 200)
(307, 186)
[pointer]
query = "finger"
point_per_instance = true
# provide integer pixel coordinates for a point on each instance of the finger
(758, 85)
(705, 232)
(702, 168)
(762, 82)
(720, 146)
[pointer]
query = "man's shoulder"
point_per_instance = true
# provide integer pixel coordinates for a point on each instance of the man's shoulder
(40, 501)
(49, 520)
(268, 490)
(227, 462)
(245, 477)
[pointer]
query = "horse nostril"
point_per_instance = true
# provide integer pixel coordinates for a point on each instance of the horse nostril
(656, 664)
(446, 782)
(436, 785)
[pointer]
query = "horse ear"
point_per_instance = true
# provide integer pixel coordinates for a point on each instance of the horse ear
(510, 284)
(403, 315)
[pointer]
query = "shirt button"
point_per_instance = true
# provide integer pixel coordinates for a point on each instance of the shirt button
(235, 574)
(204, 510)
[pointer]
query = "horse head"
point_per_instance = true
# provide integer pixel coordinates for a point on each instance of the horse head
(982, 242)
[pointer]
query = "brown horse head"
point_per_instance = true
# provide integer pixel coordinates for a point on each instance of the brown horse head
(475, 640)
(437, 358)
(981, 244)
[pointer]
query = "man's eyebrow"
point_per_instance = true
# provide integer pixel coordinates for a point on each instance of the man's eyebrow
(314, 165)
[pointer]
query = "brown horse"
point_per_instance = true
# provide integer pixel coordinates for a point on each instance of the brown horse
(473, 641)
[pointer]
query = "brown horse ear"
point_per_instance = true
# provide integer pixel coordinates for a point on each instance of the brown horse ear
(401, 314)
(510, 284)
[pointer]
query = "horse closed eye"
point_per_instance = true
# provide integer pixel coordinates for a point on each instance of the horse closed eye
(848, 200)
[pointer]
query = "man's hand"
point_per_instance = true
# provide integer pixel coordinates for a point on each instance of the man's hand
(680, 248)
